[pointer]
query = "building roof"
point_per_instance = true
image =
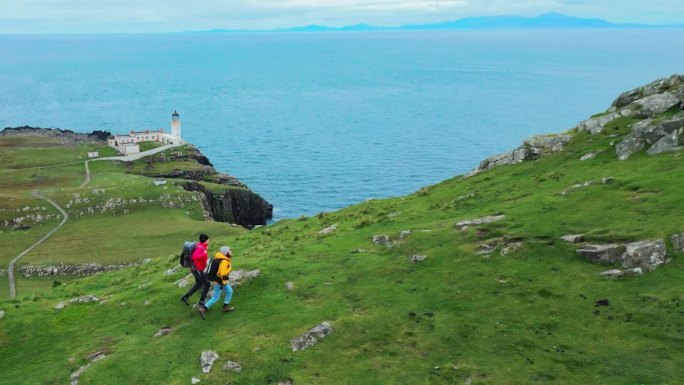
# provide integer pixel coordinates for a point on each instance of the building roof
(175, 113)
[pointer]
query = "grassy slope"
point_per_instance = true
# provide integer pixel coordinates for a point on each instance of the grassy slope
(117, 235)
(525, 318)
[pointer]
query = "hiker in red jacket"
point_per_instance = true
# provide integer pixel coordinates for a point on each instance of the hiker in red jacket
(199, 263)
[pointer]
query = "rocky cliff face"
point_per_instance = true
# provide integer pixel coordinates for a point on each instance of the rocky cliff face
(234, 205)
(656, 112)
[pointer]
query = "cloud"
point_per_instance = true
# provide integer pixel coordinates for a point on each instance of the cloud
(175, 15)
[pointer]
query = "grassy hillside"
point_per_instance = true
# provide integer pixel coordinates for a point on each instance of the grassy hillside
(119, 217)
(526, 315)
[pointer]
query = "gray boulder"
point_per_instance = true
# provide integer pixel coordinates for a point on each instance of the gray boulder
(596, 124)
(656, 104)
(604, 254)
(289, 285)
(207, 360)
(645, 254)
(404, 234)
(678, 242)
(667, 143)
(311, 337)
(380, 239)
(232, 366)
(629, 146)
(656, 87)
(417, 258)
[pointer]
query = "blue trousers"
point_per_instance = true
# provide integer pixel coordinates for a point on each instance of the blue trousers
(217, 294)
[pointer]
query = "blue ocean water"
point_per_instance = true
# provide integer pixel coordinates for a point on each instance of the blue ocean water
(317, 121)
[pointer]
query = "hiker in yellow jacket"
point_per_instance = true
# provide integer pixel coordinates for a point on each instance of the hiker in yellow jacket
(224, 269)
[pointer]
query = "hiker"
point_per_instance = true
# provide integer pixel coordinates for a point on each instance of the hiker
(219, 271)
(199, 263)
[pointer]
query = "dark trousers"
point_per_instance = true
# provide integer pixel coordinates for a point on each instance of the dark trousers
(200, 281)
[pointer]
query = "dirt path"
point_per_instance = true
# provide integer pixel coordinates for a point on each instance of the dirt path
(10, 269)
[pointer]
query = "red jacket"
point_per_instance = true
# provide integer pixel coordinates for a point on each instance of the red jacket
(199, 257)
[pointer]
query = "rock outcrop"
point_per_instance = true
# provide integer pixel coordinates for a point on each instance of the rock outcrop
(661, 135)
(645, 255)
(234, 205)
(531, 149)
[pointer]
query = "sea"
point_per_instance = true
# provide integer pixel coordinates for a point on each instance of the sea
(315, 122)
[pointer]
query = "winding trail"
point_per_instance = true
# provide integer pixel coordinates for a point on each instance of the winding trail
(10, 269)
(88, 178)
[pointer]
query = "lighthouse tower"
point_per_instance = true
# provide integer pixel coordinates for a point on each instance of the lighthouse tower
(176, 128)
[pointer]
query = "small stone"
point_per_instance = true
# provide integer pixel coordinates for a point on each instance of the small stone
(486, 248)
(589, 155)
(678, 242)
(510, 247)
(288, 381)
(2, 314)
(358, 251)
(172, 271)
(289, 285)
(381, 239)
(183, 282)
(232, 366)
(164, 331)
(417, 258)
(207, 360)
(607, 180)
(328, 230)
(573, 238)
(195, 380)
(613, 273)
(97, 356)
(311, 337)
(60, 306)
(404, 234)
(146, 260)
(146, 303)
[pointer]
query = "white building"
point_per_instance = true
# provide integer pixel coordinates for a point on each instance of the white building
(128, 143)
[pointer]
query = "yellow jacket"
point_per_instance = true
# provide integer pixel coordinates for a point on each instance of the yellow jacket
(225, 267)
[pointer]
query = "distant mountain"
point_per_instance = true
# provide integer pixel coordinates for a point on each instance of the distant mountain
(547, 20)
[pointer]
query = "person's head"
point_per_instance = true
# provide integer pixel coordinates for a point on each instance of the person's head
(204, 238)
(225, 250)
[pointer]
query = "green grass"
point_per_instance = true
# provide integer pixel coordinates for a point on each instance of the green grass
(525, 318)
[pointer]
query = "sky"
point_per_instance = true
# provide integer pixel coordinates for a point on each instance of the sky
(131, 16)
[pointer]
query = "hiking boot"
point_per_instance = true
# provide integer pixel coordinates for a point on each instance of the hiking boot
(184, 299)
(202, 311)
(227, 308)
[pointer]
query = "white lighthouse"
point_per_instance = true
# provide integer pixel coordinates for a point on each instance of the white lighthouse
(176, 128)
